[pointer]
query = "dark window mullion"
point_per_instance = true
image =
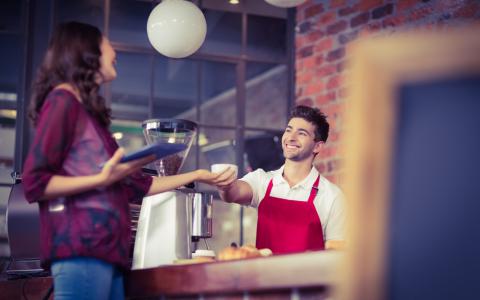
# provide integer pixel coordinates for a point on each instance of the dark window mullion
(291, 14)
(151, 98)
(198, 110)
(241, 103)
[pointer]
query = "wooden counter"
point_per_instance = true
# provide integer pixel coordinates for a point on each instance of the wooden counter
(293, 276)
(284, 272)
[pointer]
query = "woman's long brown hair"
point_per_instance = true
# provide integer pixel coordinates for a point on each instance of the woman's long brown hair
(73, 56)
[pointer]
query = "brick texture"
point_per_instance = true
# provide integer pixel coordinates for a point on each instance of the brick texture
(359, 19)
(383, 11)
(324, 30)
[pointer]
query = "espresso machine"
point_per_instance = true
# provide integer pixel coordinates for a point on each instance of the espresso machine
(170, 223)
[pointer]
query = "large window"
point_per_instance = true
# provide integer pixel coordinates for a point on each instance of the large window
(235, 87)
(130, 92)
(224, 32)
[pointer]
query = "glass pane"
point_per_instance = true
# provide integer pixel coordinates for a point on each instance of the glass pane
(263, 150)
(10, 15)
(190, 162)
(128, 134)
(216, 146)
(262, 8)
(4, 248)
(255, 7)
(86, 11)
(131, 89)
(175, 88)
(218, 93)
(223, 5)
(226, 226)
(7, 146)
(267, 37)
(128, 22)
(10, 60)
(224, 32)
(250, 217)
(267, 90)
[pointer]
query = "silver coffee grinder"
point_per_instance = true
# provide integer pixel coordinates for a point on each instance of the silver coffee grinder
(170, 223)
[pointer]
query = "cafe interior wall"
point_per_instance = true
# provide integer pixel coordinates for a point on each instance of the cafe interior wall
(324, 29)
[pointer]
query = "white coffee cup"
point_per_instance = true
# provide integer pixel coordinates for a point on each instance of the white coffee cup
(219, 168)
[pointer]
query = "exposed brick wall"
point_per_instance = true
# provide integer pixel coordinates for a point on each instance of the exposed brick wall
(325, 27)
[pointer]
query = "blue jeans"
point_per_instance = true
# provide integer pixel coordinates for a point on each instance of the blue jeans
(86, 278)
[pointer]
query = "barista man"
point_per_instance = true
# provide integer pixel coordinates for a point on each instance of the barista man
(298, 209)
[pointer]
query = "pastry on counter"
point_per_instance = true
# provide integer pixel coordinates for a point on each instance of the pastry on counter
(247, 251)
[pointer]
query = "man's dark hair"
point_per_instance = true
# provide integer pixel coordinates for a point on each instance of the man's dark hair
(314, 116)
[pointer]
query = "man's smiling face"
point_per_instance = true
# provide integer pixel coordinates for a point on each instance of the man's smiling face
(298, 140)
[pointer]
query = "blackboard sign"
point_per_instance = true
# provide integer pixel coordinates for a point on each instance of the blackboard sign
(412, 161)
(435, 204)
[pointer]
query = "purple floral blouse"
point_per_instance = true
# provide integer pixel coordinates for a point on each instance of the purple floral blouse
(96, 223)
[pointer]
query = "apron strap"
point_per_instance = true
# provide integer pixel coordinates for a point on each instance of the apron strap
(269, 188)
(314, 191)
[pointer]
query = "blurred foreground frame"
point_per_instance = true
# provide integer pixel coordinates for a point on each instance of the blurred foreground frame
(404, 90)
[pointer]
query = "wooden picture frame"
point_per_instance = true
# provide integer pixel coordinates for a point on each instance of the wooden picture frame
(380, 66)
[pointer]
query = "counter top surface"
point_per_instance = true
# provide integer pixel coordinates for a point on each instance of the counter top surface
(315, 269)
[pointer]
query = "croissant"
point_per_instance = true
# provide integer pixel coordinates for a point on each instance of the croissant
(247, 251)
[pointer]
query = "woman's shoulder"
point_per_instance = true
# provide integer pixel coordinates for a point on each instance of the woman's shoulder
(58, 104)
(62, 92)
(61, 99)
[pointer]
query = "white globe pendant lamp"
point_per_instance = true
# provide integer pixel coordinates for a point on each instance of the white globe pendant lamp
(176, 28)
(285, 3)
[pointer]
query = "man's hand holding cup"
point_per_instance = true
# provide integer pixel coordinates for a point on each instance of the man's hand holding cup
(227, 174)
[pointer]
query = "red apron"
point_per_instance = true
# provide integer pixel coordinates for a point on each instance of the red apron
(287, 226)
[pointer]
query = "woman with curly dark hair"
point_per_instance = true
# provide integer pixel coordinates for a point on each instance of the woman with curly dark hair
(84, 211)
(73, 60)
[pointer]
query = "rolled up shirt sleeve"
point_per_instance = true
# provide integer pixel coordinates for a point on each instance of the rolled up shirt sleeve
(255, 179)
(54, 135)
(335, 227)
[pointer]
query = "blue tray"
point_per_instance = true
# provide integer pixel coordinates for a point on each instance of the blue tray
(160, 150)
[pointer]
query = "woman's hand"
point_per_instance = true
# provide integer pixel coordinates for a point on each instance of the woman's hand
(220, 180)
(114, 171)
